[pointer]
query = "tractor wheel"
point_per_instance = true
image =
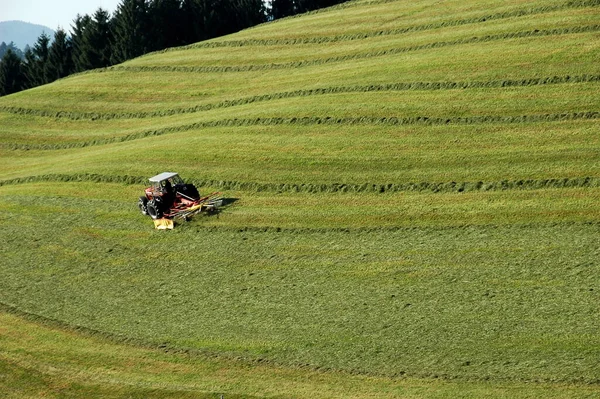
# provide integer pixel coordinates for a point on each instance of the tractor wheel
(154, 210)
(143, 205)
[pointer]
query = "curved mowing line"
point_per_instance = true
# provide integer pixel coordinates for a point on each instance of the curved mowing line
(388, 32)
(445, 187)
(245, 358)
(317, 120)
(408, 86)
(352, 57)
(111, 337)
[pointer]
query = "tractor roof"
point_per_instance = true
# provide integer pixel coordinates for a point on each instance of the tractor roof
(162, 176)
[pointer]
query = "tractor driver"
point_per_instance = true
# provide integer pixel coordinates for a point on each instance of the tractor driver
(168, 187)
(168, 192)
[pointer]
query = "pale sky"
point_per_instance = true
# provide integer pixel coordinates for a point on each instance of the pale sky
(52, 13)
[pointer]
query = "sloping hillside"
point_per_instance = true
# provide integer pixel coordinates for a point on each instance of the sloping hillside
(414, 194)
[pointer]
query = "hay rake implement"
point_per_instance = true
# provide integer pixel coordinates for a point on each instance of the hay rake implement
(169, 198)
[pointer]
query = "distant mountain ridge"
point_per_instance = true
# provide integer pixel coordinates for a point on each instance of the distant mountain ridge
(22, 33)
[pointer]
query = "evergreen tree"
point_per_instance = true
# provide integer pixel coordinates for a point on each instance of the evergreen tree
(28, 68)
(60, 62)
(94, 48)
(5, 47)
(227, 16)
(35, 66)
(303, 6)
(41, 50)
(131, 30)
(11, 75)
(167, 28)
(221, 17)
(309, 5)
(194, 20)
(80, 29)
(213, 18)
(282, 8)
(248, 13)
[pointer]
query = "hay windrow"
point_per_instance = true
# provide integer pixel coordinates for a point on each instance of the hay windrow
(388, 87)
(432, 187)
(389, 32)
(317, 120)
(358, 56)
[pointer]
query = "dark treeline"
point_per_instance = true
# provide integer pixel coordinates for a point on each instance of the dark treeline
(137, 27)
(285, 8)
(10, 46)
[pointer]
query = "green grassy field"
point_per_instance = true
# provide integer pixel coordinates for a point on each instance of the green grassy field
(412, 211)
(41, 360)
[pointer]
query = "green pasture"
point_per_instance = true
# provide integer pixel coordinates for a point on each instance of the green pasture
(332, 211)
(499, 301)
(382, 105)
(357, 17)
(46, 361)
(325, 154)
(327, 47)
(412, 210)
(532, 46)
(135, 91)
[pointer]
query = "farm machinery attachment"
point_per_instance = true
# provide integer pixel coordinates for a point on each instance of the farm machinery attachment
(169, 198)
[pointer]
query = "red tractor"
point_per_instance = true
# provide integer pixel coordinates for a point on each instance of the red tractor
(170, 197)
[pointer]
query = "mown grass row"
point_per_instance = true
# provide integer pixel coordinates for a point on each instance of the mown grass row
(79, 369)
(55, 323)
(350, 289)
(123, 92)
(390, 32)
(392, 15)
(364, 3)
(377, 229)
(504, 303)
(401, 86)
(445, 187)
(322, 212)
(316, 120)
(337, 154)
(358, 56)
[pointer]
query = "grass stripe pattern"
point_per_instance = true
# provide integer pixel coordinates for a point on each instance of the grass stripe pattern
(315, 120)
(439, 187)
(354, 57)
(400, 86)
(388, 32)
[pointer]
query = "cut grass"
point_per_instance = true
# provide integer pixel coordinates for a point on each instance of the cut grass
(354, 154)
(499, 302)
(363, 211)
(388, 107)
(58, 363)
(358, 17)
(137, 91)
(475, 270)
(259, 53)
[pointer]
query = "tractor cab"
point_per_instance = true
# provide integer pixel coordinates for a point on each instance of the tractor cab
(166, 183)
(169, 197)
(167, 193)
